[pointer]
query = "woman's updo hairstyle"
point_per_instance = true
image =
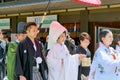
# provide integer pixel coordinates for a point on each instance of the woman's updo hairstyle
(103, 33)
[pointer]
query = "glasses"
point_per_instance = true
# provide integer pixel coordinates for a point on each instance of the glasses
(35, 31)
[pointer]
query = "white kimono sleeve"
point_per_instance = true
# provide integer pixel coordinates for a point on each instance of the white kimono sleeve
(52, 61)
(104, 59)
(71, 67)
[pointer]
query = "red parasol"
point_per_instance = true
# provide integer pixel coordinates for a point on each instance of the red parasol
(90, 2)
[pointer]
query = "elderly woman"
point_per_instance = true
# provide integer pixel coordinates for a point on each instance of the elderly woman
(106, 62)
(84, 40)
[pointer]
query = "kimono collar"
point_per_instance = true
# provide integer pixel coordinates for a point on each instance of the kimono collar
(17, 41)
(117, 45)
(83, 49)
(60, 44)
(107, 49)
(29, 41)
(2, 40)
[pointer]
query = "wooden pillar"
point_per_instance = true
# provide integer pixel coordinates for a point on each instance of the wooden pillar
(84, 16)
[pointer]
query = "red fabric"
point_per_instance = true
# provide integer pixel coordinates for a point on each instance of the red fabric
(113, 55)
(90, 2)
(98, 45)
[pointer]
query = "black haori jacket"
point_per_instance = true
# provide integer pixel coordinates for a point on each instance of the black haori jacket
(24, 60)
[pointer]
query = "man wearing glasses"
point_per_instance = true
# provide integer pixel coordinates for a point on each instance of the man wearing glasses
(29, 57)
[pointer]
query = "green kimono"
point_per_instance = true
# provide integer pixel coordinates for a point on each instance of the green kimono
(11, 59)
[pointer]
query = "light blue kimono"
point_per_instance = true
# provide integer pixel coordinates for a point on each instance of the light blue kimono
(104, 66)
(118, 48)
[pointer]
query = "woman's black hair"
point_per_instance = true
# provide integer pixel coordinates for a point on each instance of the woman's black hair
(103, 33)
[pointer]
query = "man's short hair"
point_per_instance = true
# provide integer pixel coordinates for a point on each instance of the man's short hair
(29, 24)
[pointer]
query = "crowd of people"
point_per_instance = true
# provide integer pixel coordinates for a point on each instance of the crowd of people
(27, 58)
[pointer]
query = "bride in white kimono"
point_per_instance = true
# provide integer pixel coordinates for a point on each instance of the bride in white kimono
(61, 65)
(106, 61)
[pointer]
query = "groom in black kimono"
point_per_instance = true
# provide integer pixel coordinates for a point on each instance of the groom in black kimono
(27, 52)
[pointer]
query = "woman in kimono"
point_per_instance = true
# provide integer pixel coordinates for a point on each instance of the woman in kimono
(29, 56)
(118, 43)
(11, 51)
(61, 65)
(84, 41)
(106, 62)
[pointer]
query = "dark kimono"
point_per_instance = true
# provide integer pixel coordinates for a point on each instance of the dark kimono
(83, 70)
(70, 46)
(25, 60)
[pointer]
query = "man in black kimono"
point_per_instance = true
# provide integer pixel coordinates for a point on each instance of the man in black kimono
(27, 53)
